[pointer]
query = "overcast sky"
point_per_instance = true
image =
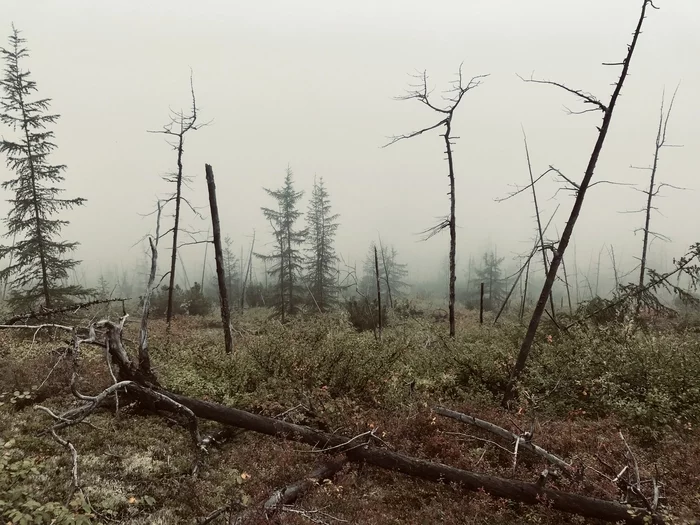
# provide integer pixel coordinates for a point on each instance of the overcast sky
(311, 84)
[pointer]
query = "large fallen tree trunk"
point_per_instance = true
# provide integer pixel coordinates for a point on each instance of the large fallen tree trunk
(529, 493)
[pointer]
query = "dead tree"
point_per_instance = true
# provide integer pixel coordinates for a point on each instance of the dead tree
(452, 100)
(580, 196)
(545, 260)
(144, 355)
(180, 124)
(653, 191)
(379, 293)
(247, 272)
(219, 257)
(386, 274)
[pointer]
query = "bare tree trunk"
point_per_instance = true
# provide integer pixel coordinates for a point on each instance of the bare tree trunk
(566, 283)
(144, 354)
(578, 290)
(379, 292)
(653, 191)
(422, 94)
(176, 228)
(576, 210)
(219, 257)
(453, 226)
(185, 123)
(527, 279)
(597, 273)
(204, 264)
(247, 272)
(611, 252)
(386, 274)
(545, 261)
(481, 305)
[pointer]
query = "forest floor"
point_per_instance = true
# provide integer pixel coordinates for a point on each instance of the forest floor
(582, 391)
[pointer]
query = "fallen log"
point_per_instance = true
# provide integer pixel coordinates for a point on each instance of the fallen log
(47, 312)
(289, 494)
(523, 443)
(528, 493)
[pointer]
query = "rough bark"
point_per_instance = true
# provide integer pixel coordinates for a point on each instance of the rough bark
(219, 257)
(453, 226)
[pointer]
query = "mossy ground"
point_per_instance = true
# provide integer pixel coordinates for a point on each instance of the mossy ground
(581, 389)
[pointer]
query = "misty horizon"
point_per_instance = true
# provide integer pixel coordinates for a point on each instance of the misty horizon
(313, 87)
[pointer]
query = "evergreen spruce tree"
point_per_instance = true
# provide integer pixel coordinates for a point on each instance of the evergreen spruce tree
(286, 261)
(321, 259)
(39, 270)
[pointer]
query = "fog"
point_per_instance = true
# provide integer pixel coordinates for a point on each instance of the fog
(311, 85)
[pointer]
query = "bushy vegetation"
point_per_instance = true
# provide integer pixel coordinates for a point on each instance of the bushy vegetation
(581, 384)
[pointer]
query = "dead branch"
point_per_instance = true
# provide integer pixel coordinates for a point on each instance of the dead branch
(586, 97)
(522, 441)
(47, 312)
(288, 494)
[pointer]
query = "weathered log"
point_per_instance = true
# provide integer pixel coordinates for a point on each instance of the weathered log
(289, 494)
(528, 493)
(502, 432)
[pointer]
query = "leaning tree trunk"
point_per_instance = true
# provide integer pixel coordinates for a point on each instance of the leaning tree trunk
(219, 257)
(576, 210)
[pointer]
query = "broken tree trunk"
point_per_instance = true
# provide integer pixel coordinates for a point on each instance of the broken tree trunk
(528, 493)
(219, 257)
(289, 494)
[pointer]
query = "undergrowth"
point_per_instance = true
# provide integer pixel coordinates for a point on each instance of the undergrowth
(601, 377)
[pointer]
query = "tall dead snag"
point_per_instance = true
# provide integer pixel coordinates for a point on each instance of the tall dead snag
(247, 272)
(580, 195)
(144, 354)
(379, 292)
(386, 274)
(421, 93)
(180, 124)
(219, 257)
(653, 191)
(545, 260)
